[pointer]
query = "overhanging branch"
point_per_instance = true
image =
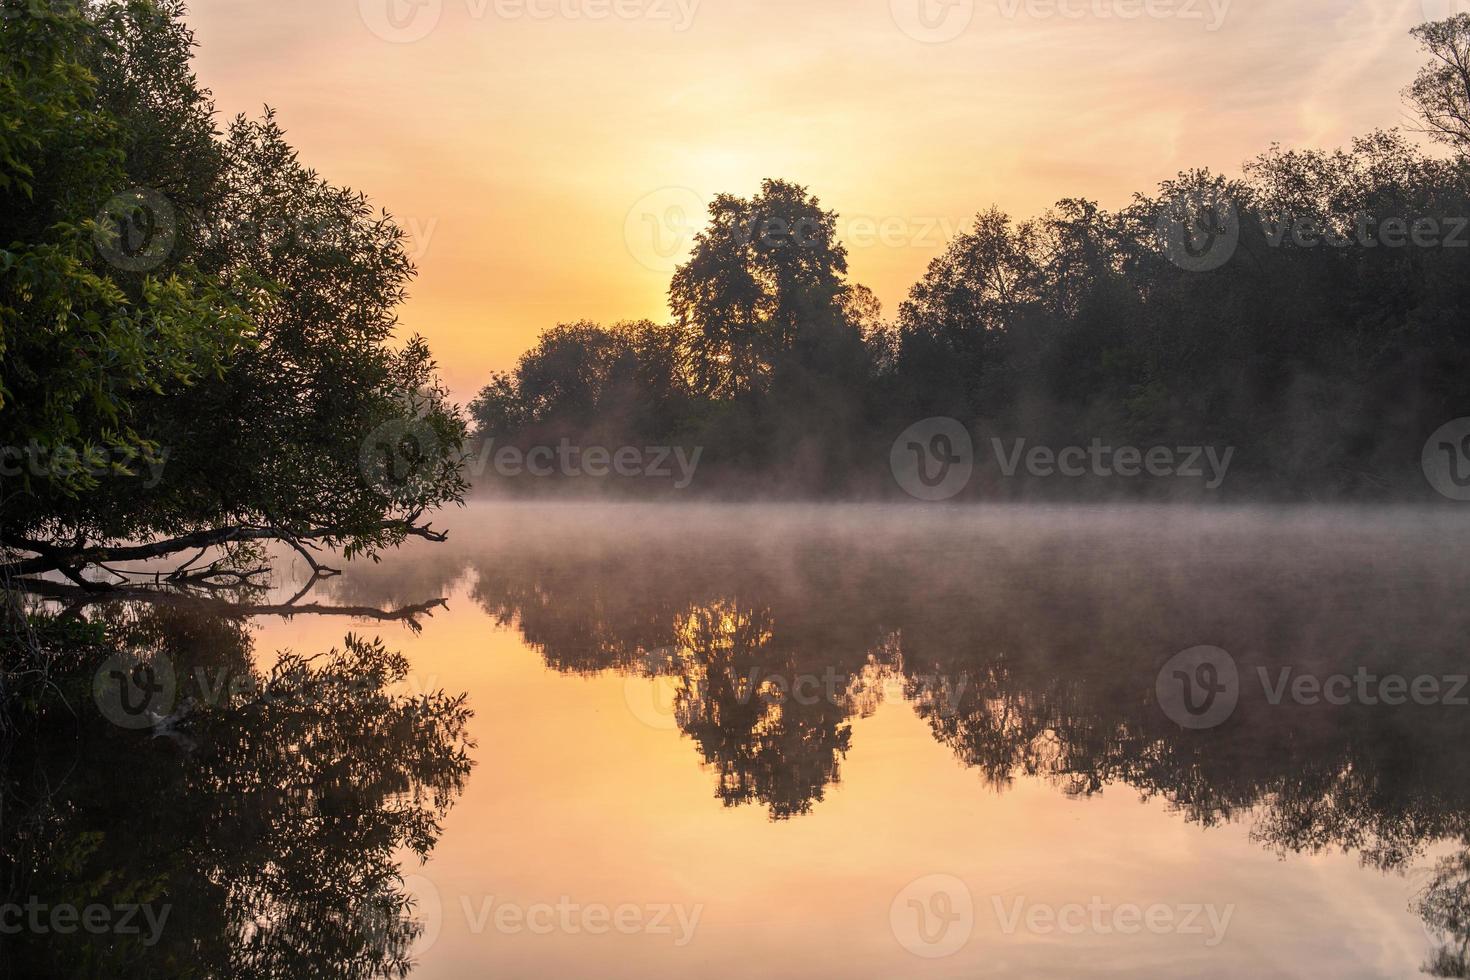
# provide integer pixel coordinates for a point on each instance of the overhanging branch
(76, 598)
(71, 560)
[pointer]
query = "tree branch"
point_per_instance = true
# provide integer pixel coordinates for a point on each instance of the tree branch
(69, 561)
(78, 597)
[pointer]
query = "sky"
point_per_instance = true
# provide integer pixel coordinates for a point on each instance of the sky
(551, 158)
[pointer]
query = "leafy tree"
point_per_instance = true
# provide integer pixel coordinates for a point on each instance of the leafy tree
(288, 801)
(220, 335)
(82, 341)
(1296, 314)
(760, 274)
(585, 378)
(953, 326)
(1441, 90)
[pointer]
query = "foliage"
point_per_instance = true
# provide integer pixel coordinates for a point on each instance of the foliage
(1324, 344)
(83, 341)
(288, 799)
(197, 328)
(1441, 90)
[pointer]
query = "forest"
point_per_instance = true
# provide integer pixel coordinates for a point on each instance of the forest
(1309, 316)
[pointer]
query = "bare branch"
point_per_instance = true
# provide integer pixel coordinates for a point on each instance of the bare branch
(79, 598)
(70, 560)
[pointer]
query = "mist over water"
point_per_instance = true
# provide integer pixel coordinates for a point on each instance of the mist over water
(1084, 598)
(974, 740)
(988, 695)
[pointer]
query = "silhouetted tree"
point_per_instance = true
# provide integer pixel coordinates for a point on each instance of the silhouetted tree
(764, 270)
(1441, 90)
(195, 304)
(269, 812)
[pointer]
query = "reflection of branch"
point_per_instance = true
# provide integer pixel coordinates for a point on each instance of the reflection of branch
(215, 577)
(69, 560)
(78, 598)
(318, 570)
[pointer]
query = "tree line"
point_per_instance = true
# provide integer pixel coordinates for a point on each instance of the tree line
(1311, 314)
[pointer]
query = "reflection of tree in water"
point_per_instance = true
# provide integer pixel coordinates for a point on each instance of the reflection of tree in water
(764, 691)
(1444, 904)
(772, 731)
(1385, 785)
(1033, 652)
(270, 822)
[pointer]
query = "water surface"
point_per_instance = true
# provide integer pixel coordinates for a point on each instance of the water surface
(906, 741)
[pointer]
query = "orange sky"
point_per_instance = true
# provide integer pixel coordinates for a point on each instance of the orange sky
(542, 152)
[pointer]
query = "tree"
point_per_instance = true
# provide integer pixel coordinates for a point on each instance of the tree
(285, 804)
(1441, 90)
(953, 326)
(1310, 314)
(765, 270)
(220, 336)
(83, 339)
(586, 379)
(567, 374)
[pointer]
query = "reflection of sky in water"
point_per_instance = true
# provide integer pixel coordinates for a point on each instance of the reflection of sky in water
(666, 758)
